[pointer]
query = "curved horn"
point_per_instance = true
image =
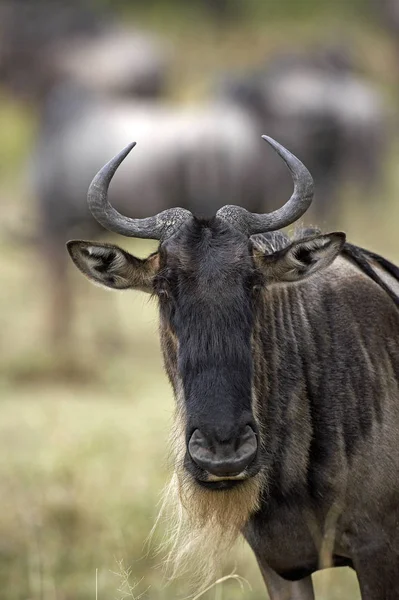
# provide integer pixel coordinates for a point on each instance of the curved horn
(302, 196)
(159, 227)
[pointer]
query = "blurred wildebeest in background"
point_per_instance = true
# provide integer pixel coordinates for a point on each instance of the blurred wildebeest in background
(122, 61)
(61, 58)
(30, 35)
(387, 12)
(46, 41)
(320, 107)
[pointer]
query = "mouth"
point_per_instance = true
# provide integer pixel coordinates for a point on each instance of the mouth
(220, 484)
(214, 482)
(210, 481)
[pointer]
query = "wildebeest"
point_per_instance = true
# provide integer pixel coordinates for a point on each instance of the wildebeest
(387, 11)
(46, 41)
(283, 355)
(65, 60)
(31, 34)
(122, 61)
(322, 107)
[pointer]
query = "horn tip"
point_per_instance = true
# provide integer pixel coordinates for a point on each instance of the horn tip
(277, 147)
(129, 147)
(123, 154)
(269, 140)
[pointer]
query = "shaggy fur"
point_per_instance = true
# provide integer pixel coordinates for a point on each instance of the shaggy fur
(299, 338)
(202, 525)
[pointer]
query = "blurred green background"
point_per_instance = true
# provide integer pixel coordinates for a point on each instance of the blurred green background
(84, 424)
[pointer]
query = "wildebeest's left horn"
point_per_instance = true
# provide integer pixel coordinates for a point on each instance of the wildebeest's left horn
(159, 227)
(301, 199)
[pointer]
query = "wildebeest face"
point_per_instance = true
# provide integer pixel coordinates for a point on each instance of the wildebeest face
(209, 278)
(206, 288)
(204, 277)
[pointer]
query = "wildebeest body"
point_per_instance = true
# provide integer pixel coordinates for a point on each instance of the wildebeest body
(284, 359)
(189, 162)
(331, 425)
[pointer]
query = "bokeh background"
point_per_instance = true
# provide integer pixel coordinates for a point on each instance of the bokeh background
(85, 407)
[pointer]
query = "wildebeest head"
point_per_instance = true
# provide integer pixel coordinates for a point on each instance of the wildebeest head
(209, 277)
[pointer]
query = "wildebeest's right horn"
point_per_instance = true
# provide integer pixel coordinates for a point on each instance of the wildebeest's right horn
(159, 227)
(251, 223)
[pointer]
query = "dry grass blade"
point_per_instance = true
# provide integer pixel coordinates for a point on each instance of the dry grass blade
(241, 581)
(126, 589)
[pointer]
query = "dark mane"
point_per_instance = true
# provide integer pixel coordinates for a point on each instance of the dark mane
(271, 242)
(278, 240)
(360, 255)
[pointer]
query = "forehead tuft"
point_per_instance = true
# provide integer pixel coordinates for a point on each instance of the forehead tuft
(206, 247)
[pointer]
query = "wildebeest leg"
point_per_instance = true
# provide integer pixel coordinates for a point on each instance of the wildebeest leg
(378, 574)
(109, 335)
(58, 292)
(281, 589)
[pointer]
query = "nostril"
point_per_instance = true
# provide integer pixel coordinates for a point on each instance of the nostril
(200, 448)
(247, 441)
(224, 459)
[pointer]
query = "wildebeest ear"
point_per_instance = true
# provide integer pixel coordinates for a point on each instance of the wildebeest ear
(112, 267)
(302, 258)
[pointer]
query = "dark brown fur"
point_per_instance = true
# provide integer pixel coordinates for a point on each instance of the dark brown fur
(321, 337)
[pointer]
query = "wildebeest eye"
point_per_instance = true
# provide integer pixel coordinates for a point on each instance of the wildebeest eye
(162, 285)
(162, 293)
(161, 289)
(255, 282)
